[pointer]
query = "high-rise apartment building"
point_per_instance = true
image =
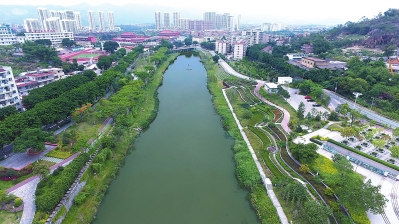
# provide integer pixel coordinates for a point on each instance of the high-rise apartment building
(31, 25)
(78, 20)
(55, 13)
(67, 14)
(184, 23)
(166, 20)
(43, 15)
(158, 24)
(176, 19)
(8, 90)
(92, 22)
(230, 23)
(53, 24)
(210, 16)
(101, 21)
(69, 25)
(111, 22)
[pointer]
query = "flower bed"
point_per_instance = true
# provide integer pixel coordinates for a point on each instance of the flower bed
(11, 174)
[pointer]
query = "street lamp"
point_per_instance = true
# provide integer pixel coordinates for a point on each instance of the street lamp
(335, 86)
(372, 102)
(356, 95)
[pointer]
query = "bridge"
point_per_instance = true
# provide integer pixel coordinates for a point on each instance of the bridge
(183, 49)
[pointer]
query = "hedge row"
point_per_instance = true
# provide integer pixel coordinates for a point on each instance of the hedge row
(364, 154)
(50, 192)
(55, 89)
(316, 141)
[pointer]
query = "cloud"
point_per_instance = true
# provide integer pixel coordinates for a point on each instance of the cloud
(19, 12)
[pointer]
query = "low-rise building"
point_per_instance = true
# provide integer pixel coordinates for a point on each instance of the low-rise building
(296, 56)
(36, 79)
(6, 36)
(8, 90)
(271, 88)
(284, 80)
(312, 62)
(54, 37)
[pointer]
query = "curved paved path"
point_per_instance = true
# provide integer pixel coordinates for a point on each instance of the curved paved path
(231, 71)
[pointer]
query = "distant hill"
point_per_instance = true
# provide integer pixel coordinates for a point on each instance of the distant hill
(379, 32)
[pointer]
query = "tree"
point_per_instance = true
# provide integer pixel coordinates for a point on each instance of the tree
(45, 42)
(316, 212)
(42, 170)
(378, 143)
(215, 58)
(354, 114)
(165, 43)
(32, 138)
(396, 132)
(333, 116)
(104, 62)
(394, 151)
(7, 111)
(110, 46)
(301, 111)
(348, 132)
(66, 42)
(188, 41)
(304, 153)
(304, 168)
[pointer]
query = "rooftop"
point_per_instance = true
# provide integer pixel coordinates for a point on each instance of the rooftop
(271, 85)
(314, 59)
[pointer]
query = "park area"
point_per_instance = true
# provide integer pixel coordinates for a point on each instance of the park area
(83, 56)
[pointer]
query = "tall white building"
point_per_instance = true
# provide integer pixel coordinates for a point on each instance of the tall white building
(101, 21)
(158, 23)
(55, 13)
(69, 25)
(240, 49)
(92, 22)
(166, 20)
(211, 17)
(254, 36)
(230, 23)
(176, 19)
(6, 36)
(111, 22)
(8, 90)
(43, 15)
(78, 20)
(184, 23)
(53, 24)
(31, 25)
(67, 14)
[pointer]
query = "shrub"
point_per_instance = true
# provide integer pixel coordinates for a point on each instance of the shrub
(17, 202)
(80, 198)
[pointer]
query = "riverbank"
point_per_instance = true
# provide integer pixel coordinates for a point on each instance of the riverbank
(246, 170)
(144, 113)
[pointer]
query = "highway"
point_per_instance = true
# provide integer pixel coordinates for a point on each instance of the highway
(337, 99)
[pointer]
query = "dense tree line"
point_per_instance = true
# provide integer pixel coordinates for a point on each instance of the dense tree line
(56, 109)
(43, 53)
(208, 45)
(55, 89)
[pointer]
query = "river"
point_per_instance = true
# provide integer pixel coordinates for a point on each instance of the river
(182, 168)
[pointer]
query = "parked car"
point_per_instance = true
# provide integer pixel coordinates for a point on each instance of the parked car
(316, 105)
(308, 97)
(310, 100)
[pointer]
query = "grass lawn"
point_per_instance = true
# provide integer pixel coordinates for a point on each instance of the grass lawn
(9, 217)
(86, 55)
(279, 101)
(46, 163)
(59, 154)
(334, 127)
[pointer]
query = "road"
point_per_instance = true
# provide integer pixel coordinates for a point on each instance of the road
(337, 99)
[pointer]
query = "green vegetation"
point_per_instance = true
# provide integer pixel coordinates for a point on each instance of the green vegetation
(119, 140)
(10, 217)
(246, 170)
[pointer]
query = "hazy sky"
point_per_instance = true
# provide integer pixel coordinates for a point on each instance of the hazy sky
(338, 11)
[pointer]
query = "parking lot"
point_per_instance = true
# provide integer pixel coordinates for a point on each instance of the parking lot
(296, 99)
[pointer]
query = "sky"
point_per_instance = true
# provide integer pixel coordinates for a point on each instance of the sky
(287, 11)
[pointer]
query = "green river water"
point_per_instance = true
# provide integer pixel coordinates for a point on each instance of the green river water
(182, 168)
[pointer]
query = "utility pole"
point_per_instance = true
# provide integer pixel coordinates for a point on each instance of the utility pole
(372, 102)
(356, 95)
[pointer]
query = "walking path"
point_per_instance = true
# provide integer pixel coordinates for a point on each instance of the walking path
(260, 84)
(270, 192)
(26, 190)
